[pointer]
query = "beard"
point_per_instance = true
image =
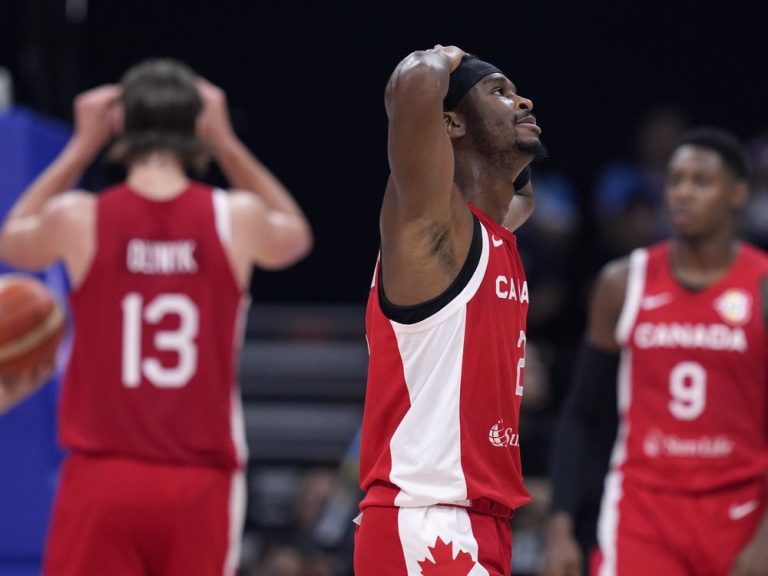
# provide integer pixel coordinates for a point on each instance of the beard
(532, 147)
(500, 143)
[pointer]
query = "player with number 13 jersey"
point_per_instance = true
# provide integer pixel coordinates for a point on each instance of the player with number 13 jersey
(160, 267)
(157, 308)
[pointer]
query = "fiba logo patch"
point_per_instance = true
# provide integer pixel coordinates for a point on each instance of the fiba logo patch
(734, 306)
(502, 436)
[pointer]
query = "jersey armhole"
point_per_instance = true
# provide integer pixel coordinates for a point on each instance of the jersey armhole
(638, 262)
(223, 224)
(418, 312)
(76, 287)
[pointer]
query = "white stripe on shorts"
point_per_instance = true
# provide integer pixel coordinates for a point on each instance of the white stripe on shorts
(237, 496)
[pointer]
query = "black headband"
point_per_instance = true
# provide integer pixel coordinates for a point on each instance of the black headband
(469, 72)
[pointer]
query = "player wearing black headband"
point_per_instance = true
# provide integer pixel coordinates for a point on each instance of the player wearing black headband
(440, 454)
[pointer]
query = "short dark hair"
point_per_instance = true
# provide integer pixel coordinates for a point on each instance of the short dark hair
(161, 105)
(721, 141)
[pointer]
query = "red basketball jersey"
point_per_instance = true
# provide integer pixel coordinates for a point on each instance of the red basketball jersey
(444, 392)
(158, 328)
(693, 379)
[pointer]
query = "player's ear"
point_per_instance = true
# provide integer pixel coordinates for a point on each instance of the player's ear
(739, 195)
(454, 124)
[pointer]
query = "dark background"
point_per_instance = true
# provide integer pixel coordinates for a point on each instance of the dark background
(305, 82)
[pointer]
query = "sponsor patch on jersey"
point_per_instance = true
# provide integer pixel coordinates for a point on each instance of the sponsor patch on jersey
(503, 436)
(734, 306)
(656, 443)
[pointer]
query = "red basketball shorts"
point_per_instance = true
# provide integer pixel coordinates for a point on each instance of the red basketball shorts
(127, 517)
(434, 540)
(644, 531)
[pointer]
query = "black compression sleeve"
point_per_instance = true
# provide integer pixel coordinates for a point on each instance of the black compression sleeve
(586, 428)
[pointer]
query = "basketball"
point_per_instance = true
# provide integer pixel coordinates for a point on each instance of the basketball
(31, 324)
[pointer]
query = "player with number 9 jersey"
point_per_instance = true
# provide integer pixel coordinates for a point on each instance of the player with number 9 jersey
(156, 313)
(706, 427)
(677, 336)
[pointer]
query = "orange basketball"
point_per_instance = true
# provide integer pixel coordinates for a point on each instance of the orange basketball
(31, 324)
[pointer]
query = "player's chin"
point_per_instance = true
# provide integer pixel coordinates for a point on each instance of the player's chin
(532, 145)
(688, 231)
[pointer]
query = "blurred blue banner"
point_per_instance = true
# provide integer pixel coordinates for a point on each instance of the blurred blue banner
(29, 455)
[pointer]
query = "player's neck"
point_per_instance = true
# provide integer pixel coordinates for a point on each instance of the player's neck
(158, 176)
(701, 262)
(488, 187)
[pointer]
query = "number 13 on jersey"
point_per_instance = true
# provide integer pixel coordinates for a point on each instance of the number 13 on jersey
(181, 340)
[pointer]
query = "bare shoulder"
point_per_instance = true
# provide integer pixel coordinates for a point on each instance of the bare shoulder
(613, 276)
(269, 238)
(607, 303)
(245, 205)
(73, 206)
(73, 199)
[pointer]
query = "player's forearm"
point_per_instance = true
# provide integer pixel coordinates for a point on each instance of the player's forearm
(423, 74)
(570, 453)
(245, 172)
(560, 524)
(61, 175)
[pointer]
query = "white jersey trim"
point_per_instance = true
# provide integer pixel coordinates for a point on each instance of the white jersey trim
(608, 524)
(221, 215)
(638, 262)
(458, 302)
(237, 420)
(376, 270)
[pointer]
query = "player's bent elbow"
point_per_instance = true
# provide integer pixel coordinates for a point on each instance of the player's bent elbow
(289, 252)
(22, 256)
(416, 77)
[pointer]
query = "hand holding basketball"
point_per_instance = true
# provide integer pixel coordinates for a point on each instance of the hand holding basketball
(13, 389)
(31, 327)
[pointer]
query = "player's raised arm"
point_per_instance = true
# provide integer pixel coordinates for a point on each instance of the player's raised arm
(269, 227)
(419, 147)
(33, 234)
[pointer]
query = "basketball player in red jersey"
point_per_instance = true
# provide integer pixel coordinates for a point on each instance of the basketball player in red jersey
(683, 323)
(440, 456)
(160, 267)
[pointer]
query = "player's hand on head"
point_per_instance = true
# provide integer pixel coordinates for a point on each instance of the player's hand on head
(213, 124)
(454, 54)
(13, 389)
(98, 117)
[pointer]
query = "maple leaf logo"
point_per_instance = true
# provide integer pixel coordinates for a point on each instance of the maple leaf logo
(445, 564)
